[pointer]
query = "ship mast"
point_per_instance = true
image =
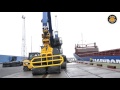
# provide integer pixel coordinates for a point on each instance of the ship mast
(31, 43)
(23, 38)
(56, 22)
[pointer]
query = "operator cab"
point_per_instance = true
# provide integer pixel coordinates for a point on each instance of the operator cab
(33, 54)
(60, 39)
(57, 40)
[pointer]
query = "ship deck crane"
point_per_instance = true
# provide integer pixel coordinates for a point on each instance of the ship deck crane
(50, 60)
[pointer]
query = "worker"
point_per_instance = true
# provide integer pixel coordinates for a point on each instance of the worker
(91, 60)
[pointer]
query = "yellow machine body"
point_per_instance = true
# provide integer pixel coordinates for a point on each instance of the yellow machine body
(26, 63)
(46, 58)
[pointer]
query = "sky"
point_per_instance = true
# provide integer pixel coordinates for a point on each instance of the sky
(94, 27)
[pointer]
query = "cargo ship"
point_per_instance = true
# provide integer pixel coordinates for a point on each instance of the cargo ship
(87, 52)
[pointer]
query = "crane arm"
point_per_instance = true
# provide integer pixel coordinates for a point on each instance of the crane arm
(46, 20)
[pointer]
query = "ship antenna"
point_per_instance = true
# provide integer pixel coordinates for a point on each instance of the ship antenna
(82, 39)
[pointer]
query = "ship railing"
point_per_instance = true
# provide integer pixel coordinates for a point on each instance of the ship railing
(86, 45)
(89, 53)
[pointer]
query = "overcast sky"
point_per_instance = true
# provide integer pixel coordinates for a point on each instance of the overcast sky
(93, 25)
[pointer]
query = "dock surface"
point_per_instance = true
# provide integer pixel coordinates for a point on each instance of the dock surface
(74, 70)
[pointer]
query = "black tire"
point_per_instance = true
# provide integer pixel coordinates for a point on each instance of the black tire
(8, 65)
(64, 65)
(64, 57)
(12, 64)
(4, 65)
(38, 71)
(21, 63)
(18, 64)
(54, 69)
(25, 68)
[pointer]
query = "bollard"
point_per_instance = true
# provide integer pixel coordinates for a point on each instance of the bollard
(99, 65)
(81, 62)
(91, 63)
(113, 67)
